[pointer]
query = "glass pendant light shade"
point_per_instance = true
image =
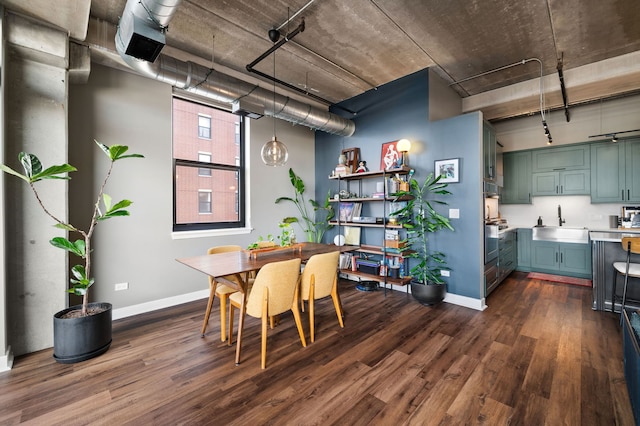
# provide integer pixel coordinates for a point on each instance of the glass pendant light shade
(274, 153)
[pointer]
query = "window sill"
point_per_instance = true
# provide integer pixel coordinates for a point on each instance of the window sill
(183, 235)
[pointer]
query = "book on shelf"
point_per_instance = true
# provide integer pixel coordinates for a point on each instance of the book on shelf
(391, 234)
(352, 235)
(349, 210)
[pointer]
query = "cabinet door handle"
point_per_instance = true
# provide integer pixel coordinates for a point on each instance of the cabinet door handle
(560, 257)
(622, 195)
(561, 189)
(556, 257)
(557, 189)
(628, 195)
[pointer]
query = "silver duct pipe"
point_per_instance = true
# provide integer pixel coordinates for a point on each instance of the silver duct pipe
(211, 84)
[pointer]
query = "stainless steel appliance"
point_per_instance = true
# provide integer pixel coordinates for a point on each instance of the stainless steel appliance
(631, 216)
(492, 224)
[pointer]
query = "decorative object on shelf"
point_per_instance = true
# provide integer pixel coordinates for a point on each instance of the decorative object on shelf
(362, 167)
(352, 235)
(274, 153)
(404, 145)
(342, 169)
(420, 219)
(314, 226)
(84, 331)
(448, 169)
(352, 158)
(390, 156)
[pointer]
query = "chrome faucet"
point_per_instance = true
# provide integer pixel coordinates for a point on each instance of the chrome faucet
(560, 219)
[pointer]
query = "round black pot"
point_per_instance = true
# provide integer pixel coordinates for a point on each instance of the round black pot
(79, 339)
(430, 294)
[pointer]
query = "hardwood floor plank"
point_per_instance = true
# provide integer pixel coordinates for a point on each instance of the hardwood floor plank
(537, 355)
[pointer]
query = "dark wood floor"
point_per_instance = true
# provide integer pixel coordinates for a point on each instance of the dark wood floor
(538, 355)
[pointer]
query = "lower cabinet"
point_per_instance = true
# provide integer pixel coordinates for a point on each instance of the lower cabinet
(524, 249)
(565, 258)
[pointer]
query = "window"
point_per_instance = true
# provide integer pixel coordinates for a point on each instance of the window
(208, 174)
(204, 127)
(204, 158)
(204, 201)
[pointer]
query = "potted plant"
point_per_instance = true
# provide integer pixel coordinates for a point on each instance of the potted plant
(420, 220)
(314, 226)
(83, 331)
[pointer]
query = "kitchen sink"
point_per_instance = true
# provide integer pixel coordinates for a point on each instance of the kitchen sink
(561, 234)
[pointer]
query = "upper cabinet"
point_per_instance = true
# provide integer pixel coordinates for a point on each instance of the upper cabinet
(560, 159)
(615, 172)
(489, 149)
(517, 178)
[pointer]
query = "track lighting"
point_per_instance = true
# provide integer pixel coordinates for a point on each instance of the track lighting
(547, 132)
(614, 139)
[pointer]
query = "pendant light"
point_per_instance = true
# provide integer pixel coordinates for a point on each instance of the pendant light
(274, 153)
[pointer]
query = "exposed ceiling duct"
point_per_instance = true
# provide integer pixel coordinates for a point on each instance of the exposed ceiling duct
(211, 84)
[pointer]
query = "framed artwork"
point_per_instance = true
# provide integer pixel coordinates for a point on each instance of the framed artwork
(448, 169)
(390, 157)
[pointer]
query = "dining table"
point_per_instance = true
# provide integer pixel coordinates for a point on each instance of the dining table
(241, 263)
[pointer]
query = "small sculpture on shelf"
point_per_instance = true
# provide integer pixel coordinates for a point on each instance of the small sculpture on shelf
(362, 167)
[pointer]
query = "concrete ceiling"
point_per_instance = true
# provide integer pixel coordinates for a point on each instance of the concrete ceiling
(349, 47)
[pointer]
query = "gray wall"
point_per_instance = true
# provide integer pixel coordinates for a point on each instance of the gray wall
(119, 107)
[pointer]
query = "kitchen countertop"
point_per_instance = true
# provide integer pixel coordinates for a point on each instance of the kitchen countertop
(613, 236)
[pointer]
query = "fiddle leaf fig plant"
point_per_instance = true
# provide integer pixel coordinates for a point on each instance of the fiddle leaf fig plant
(103, 209)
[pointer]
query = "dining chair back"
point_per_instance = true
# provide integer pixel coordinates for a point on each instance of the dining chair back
(274, 291)
(217, 287)
(319, 280)
(629, 269)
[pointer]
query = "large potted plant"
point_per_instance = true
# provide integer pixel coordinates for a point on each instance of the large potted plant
(83, 331)
(313, 225)
(420, 220)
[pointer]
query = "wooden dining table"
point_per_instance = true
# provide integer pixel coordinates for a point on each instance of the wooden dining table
(241, 263)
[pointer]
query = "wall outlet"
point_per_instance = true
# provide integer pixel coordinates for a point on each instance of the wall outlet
(445, 273)
(121, 286)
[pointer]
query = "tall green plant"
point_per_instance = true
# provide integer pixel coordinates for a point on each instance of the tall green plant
(420, 219)
(103, 209)
(313, 225)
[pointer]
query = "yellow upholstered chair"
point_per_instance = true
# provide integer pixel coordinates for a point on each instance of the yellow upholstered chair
(319, 280)
(218, 288)
(274, 291)
(627, 268)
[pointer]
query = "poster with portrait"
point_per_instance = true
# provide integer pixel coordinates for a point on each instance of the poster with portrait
(390, 157)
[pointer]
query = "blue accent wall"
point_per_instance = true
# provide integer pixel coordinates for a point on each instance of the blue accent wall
(400, 110)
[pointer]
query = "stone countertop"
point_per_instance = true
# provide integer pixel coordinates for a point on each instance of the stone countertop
(613, 237)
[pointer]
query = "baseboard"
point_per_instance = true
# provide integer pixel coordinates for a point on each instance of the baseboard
(158, 304)
(467, 302)
(6, 360)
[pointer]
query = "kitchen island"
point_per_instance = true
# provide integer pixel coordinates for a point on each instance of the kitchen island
(606, 249)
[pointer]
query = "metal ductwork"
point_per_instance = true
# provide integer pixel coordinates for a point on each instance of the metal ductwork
(209, 83)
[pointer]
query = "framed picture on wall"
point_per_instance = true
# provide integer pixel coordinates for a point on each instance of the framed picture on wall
(390, 157)
(448, 169)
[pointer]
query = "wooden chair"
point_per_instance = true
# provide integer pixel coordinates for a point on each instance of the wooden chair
(274, 291)
(319, 280)
(627, 268)
(218, 288)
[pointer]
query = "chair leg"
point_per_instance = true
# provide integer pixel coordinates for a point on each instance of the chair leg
(243, 310)
(296, 316)
(223, 316)
(265, 316)
(337, 305)
(212, 295)
(312, 309)
(231, 314)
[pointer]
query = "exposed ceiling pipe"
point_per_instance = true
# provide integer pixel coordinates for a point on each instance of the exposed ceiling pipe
(209, 83)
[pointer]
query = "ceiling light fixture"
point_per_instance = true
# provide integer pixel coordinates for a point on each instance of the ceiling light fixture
(274, 153)
(614, 135)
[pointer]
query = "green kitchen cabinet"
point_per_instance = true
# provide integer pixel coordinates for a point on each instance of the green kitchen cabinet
(489, 149)
(562, 258)
(559, 159)
(524, 249)
(615, 172)
(568, 182)
(517, 178)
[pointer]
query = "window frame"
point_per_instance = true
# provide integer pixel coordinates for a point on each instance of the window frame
(181, 230)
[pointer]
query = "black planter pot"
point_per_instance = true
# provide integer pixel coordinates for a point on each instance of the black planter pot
(79, 339)
(430, 294)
